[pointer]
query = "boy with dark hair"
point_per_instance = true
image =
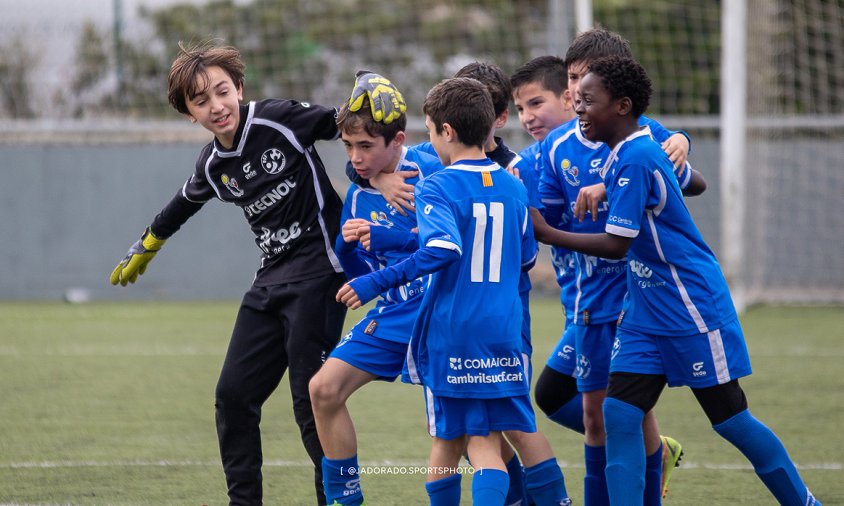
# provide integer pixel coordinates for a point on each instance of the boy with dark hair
(679, 325)
(373, 234)
(592, 288)
(262, 159)
(466, 348)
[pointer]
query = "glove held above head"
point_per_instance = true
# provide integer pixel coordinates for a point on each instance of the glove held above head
(385, 101)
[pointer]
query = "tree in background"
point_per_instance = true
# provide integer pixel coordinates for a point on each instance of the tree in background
(16, 63)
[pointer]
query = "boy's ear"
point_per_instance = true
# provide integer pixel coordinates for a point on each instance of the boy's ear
(625, 106)
(501, 120)
(399, 138)
(568, 101)
(449, 133)
(190, 118)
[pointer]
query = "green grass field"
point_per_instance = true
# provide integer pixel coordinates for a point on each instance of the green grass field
(113, 404)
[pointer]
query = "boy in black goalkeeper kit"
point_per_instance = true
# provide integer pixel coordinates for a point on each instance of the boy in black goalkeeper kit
(262, 159)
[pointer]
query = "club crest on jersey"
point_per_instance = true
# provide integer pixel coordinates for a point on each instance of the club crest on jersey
(570, 172)
(380, 217)
(231, 184)
(273, 161)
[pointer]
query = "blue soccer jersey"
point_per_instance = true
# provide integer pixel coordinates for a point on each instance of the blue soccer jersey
(562, 259)
(569, 162)
(675, 285)
(466, 342)
(393, 315)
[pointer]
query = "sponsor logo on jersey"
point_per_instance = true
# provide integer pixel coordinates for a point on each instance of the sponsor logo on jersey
(370, 328)
(428, 209)
(413, 288)
(380, 217)
(459, 363)
(644, 272)
(273, 161)
(276, 242)
(697, 370)
(619, 220)
(248, 173)
(595, 166)
(268, 199)
(623, 181)
(570, 172)
(639, 269)
(563, 264)
(231, 184)
(583, 368)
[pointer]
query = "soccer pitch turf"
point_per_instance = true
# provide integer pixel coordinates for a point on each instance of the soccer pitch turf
(113, 404)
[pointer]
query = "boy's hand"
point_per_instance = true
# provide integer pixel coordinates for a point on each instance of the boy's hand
(351, 227)
(135, 262)
(589, 198)
(677, 149)
(395, 191)
(385, 100)
(346, 295)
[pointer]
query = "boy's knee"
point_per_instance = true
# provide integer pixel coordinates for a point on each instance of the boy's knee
(593, 417)
(553, 390)
(324, 393)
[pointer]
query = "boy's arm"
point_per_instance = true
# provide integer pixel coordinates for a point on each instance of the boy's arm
(677, 148)
(693, 182)
(361, 290)
(395, 190)
(141, 253)
(442, 247)
(601, 245)
(354, 259)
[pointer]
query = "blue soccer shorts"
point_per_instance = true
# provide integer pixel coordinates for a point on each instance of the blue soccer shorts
(696, 361)
(593, 344)
(563, 358)
(374, 355)
(452, 417)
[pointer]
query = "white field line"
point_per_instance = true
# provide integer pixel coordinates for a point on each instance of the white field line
(50, 464)
(114, 351)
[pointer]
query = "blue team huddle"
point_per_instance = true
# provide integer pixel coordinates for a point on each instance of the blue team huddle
(442, 235)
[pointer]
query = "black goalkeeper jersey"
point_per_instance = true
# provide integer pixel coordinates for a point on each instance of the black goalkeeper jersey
(276, 177)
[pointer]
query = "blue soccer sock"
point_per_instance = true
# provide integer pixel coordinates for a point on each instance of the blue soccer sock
(517, 493)
(625, 452)
(444, 492)
(489, 487)
(653, 478)
(570, 414)
(341, 481)
(545, 483)
(768, 455)
(595, 481)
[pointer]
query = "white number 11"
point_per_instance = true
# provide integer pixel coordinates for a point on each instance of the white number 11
(496, 213)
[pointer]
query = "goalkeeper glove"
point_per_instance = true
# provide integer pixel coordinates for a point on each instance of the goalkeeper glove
(136, 260)
(385, 100)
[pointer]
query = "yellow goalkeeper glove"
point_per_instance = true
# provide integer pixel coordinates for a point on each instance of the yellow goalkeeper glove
(385, 100)
(136, 260)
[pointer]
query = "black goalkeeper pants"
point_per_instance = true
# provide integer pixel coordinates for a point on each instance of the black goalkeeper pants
(290, 327)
